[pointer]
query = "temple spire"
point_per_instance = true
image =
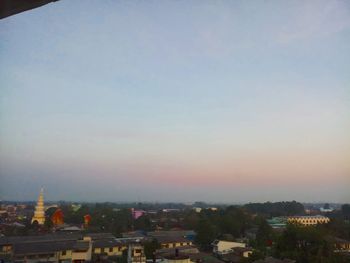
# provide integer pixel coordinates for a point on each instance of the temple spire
(39, 213)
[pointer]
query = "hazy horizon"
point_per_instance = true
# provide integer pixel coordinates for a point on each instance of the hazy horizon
(176, 100)
(160, 202)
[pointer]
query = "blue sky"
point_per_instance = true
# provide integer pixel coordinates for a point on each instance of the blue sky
(177, 101)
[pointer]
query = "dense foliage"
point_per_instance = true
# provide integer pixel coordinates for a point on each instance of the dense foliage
(276, 209)
(307, 245)
(230, 222)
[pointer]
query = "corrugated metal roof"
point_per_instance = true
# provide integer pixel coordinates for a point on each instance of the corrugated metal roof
(42, 247)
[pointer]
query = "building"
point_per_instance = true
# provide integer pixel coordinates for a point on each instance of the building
(46, 249)
(222, 247)
(188, 234)
(173, 242)
(340, 245)
(61, 247)
(244, 252)
(326, 210)
(134, 234)
(308, 220)
(197, 209)
(184, 250)
(176, 258)
(109, 247)
(136, 253)
(237, 254)
(191, 251)
(39, 213)
(277, 222)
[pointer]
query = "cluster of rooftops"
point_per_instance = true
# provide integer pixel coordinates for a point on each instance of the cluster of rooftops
(82, 242)
(50, 243)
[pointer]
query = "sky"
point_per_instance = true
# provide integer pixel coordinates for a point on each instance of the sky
(153, 101)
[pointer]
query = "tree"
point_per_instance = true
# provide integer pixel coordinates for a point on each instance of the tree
(143, 223)
(150, 248)
(206, 233)
(305, 244)
(345, 209)
(264, 234)
(276, 209)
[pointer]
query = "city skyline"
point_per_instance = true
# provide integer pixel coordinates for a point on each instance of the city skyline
(176, 101)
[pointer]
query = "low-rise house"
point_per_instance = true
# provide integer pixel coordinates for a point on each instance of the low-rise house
(134, 234)
(188, 234)
(82, 250)
(172, 242)
(179, 257)
(61, 247)
(40, 251)
(74, 251)
(184, 250)
(197, 209)
(243, 252)
(109, 247)
(340, 245)
(237, 254)
(222, 247)
(136, 253)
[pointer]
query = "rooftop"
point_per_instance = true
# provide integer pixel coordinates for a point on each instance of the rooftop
(171, 233)
(106, 243)
(170, 239)
(177, 257)
(190, 249)
(43, 247)
(315, 216)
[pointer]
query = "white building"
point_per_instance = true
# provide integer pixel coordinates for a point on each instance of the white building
(222, 247)
(197, 209)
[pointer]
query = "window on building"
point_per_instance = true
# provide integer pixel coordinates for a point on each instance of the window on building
(64, 252)
(110, 249)
(6, 248)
